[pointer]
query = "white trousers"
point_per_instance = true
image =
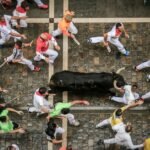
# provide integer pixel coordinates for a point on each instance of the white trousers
(124, 99)
(119, 99)
(106, 122)
(58, 130)
(72, 29)
(103, 123)
(46, 103)
(23, 22)
(24, 61)
(70, 117)
(114, 41)
(4, 38)
(52, 54)
(143, 65)
(146, 96)
(124, 139)
(38, 2)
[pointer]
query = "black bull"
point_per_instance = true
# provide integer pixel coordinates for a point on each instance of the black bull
(81, 82)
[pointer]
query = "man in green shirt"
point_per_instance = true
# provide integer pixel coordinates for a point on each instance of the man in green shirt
(63, 109)
(6, 125)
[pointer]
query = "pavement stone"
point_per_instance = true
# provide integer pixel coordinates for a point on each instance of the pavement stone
(106, 8)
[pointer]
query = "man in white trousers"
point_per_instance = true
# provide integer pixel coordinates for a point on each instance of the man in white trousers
(63, 110)
(20, 11)
(52, 130)
(6, 32)
(17, 57)
(42, 48)
(41, 104)
(112, 37)
(129, 94)
(122, 138)
(66, 26)
(116, 119)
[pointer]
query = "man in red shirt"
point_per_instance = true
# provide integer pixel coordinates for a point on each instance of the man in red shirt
(42, 48)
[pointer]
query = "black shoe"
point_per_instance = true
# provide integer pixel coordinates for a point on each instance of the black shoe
(100, 142)
(118, 55)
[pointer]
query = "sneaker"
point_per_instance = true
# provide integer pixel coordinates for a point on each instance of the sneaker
(31, 109)
(88, 41)
(127, 53)
(97, 126)
(109, 97)
(36, 69)
(43, 6)
(148, 78)
(134, 68)
(118, 55)
(76, 123)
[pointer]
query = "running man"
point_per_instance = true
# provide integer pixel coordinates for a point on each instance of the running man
(113, 37)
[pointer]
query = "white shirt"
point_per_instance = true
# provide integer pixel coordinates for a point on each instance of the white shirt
(112, 33)
(39, 100)
(130, 96)
(6, 31)
(8, 20)
(15, 146)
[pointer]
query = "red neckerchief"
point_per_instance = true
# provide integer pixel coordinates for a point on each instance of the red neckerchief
(38, 93)
(2, 23)
(118, 32)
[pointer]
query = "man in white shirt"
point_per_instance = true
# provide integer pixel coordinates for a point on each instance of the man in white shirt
(41, 105)
(112, 37)
(6, 32)
(129, 94)
(123, 138)
(52, 130)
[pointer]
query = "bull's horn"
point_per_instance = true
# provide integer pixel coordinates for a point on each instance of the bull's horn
(119, 70)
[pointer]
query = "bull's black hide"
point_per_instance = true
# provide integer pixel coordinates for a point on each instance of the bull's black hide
(76, 81)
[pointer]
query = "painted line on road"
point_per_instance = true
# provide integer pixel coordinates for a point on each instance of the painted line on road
(105, 108)
(50, 67)
(95, 108)
(108, 20)
(92, 20)
(65, 67)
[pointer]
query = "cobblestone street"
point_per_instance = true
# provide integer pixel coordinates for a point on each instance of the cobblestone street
(21, 82)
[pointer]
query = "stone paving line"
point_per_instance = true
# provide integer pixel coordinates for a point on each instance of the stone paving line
(94, 107)
(51, 68)
(92, 20)
(65, 67)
